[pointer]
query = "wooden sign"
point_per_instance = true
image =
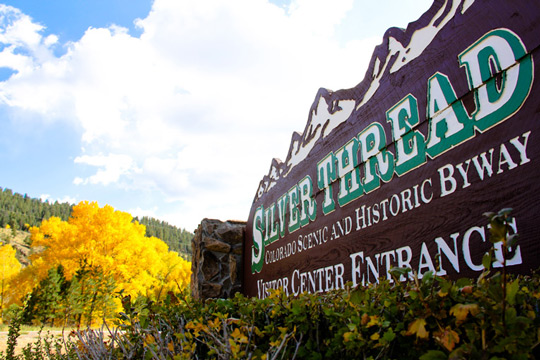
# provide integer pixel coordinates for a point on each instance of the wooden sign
(399, 170)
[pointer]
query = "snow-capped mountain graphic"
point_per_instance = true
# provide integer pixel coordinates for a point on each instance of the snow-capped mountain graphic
(331, 109)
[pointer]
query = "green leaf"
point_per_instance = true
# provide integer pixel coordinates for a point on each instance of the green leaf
(497, 230)
(462, 282)
(511, 291)
(397, 271)
(427, 277)
(296, 309)
(511, 241)
(389, 335)
(434, 355)
(356, 297)
(505, 212)
(486, 261)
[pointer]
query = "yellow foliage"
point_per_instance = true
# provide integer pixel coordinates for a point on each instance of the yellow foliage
(25, 280)
(373, 320)
(149, 340)
(447, 338)
(102, 238)
(239, 336)
(460, 311)
(9, 267)
(418, 327)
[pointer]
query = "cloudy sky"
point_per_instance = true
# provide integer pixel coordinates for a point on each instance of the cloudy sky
(170, 108)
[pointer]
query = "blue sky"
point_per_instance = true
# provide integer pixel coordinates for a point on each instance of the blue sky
(70, 19)
(171, 108)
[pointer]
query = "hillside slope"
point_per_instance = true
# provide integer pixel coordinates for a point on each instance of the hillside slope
(20, 240)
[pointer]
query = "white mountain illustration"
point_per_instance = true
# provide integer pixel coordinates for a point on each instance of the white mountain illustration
(331, 109)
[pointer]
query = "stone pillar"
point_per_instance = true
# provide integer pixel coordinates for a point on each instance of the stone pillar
(217, 259)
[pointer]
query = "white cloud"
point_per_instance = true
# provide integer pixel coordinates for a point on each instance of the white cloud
(317, 17)
(143, 212)
(65, 199)
(198, 105)
(18, 28)
(110, 168)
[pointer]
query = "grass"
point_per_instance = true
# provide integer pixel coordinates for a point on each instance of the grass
(28, 328)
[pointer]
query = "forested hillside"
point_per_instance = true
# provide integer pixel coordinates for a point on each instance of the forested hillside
(21, 212)
(179, 240)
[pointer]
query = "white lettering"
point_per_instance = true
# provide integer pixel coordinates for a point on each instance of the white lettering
(447, 179)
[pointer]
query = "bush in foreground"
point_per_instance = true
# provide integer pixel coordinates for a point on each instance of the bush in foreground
(428, 318)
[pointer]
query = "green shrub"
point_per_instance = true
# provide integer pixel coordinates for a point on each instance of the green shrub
(10, 313)
(431, 318)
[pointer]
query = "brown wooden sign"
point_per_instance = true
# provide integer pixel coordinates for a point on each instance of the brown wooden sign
(399, 170)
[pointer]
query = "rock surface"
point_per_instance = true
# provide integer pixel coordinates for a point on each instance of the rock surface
(217, 259)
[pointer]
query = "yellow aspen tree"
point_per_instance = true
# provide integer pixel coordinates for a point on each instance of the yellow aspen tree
(26, 280)
(9, 267)
(174, 276)
(101, 238)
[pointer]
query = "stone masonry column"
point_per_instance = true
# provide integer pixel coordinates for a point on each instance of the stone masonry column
(217, 259)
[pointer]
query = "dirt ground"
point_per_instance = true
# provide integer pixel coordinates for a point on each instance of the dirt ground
(28, 337)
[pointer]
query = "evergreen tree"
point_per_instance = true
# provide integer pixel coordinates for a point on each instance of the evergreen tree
(45, 303)
(89, 297)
